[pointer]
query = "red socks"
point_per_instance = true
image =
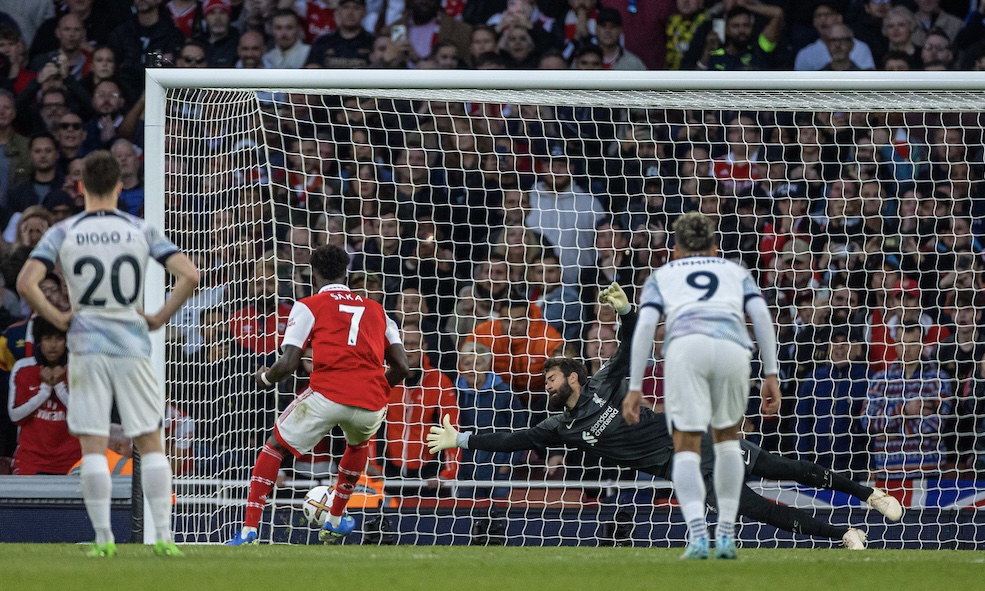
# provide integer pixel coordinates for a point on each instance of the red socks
(261, 483)
(351, 467)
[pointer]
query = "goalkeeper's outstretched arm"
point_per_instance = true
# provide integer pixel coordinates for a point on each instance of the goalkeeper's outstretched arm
(447, 437)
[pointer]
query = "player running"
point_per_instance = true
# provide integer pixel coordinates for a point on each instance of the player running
(707, 355)
(591, 420)
(350, 337)
(103, 254)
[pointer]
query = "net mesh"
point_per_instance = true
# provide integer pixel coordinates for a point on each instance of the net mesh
(856, 222)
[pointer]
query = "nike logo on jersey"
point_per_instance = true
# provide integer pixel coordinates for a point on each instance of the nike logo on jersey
(597, 400)
(589, 438)
(746, 456)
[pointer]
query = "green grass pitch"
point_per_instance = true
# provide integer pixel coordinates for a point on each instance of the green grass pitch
(458, 568)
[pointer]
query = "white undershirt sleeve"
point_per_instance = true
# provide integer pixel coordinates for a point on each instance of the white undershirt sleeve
(392, 332)
(646, 328)
(762, 325)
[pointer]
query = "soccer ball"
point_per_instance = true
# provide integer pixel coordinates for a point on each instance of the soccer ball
(317, 503)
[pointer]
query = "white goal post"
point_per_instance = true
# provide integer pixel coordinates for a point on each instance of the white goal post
(224, 145)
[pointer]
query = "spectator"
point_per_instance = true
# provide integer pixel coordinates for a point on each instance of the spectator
(815, 56)
(192, 55)
(736, 169)
(564, 215)
(580, 24)
(289, 50)
(839, 43)
(609, 34)
(144, 33)
(544, 31)
(103, 68)
(250, 50)
(903, 309)
(829, 403)
(738, 51)
(132, 195)
(518, 48)
(317, 16)
(258, 328)
(600, 344)
(44, 176)
(38, 404)
(559, 304)
(29, 17)
(15, 162)
(486, 405)
(552, 60)
(221, 39)
(186, 16)
(906, 405)
(681, 29)
(930, 16)
(484, 40)
(958, 356)
(60, 204)
(70, 135)
(644, 25)
(446, 57)
(350, 45)
(427, 25)
(72, 55)
(867, 19)
(898, 27)
(936, 53)
(13, 48)
(425, 396)
(521, 341)
(99, 24)
(106, 125)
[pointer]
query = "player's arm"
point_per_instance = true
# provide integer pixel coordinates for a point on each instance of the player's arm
(646, 329)
(448, 437)
(29, 286)
(185, 271)
(762, 326)
(615, 297)
(285, 366)
(394, 354)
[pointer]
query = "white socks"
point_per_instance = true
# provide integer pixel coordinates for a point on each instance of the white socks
(729, 476)
(97, 489)
(689, 488)
(155, 475)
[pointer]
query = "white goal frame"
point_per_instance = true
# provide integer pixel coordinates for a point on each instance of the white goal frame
(813, 91)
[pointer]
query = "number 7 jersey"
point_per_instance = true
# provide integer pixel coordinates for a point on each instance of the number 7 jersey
(702, 295)
(349, 335)
(103, 257)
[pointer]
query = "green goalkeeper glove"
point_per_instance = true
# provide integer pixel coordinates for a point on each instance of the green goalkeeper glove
(442, 438)
(615, 297)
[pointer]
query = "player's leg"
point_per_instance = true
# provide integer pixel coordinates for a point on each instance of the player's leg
(686, 395)
(729, 396)
(293, 432)
(141, 405)
(790, 519)
(359, 426)
(89, 407)
(767, 465)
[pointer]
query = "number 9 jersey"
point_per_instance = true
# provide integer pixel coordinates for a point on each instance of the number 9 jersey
(103, 257)
(702, 295)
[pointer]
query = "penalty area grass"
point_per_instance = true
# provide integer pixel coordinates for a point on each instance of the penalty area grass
(54, 567)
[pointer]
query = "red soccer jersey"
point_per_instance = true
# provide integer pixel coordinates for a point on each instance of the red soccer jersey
(349, 335)
(44, 444)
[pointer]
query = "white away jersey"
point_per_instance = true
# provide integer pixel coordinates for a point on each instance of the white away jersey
(103, 256)
(702, 295)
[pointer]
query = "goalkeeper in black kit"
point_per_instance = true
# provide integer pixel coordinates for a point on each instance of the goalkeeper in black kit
(591, 420)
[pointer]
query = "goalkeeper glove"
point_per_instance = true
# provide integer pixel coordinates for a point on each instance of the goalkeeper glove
(615, 297)
(442, 438)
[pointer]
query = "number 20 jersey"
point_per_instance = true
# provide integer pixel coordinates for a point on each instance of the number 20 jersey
(103, 256)
(349, 335)
(702, 295)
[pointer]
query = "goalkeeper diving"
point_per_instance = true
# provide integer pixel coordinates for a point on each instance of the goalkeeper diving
(591, 420)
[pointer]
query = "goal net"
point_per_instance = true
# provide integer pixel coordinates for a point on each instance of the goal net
(485, 210)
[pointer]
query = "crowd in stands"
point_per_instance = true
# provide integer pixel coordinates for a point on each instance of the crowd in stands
(486, 229)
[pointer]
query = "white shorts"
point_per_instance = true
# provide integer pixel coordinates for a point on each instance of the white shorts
(95, 381)
(706, 382)
(311, 416)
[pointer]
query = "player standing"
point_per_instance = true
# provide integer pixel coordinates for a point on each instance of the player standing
(103, 255)
(707, 354)
(350, 336)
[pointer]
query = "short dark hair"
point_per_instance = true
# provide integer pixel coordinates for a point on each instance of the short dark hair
(41, 135)
(330, 261)
(694, 232)
(490, 58)
(567, 367)
(100, 172)
(42, 328)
